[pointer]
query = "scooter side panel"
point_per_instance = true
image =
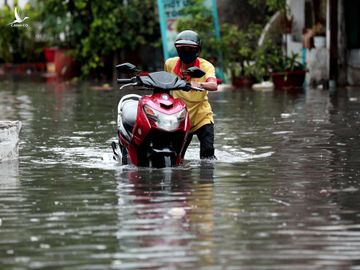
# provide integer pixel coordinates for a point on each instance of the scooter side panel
(141, 129)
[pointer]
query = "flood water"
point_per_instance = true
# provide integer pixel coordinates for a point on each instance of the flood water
(283, 194)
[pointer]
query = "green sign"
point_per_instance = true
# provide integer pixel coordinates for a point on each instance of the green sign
(169, 12)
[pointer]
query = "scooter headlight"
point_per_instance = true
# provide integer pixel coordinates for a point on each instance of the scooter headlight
(168, 122)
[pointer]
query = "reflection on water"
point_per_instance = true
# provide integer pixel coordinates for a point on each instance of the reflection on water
(158, 211)
(283, 194)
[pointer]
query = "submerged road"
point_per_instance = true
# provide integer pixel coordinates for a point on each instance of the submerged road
(284, 193)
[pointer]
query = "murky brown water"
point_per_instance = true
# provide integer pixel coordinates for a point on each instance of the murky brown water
(284, 193)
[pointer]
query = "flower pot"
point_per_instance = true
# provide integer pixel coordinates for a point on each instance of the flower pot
(50, 54)
(65, 65)
(59, 63)
(242, 81)
(288, 79)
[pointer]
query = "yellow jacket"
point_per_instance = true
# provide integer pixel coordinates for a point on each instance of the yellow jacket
(200, 112)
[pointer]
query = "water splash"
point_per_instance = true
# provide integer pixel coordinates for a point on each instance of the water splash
(9, 140)
(101, 156)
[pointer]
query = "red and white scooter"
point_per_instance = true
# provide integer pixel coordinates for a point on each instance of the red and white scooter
(152, 129)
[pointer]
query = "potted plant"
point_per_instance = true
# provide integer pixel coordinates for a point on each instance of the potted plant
(287, 72)
(238, 48)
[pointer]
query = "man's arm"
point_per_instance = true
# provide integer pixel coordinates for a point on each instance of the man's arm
(210, 84)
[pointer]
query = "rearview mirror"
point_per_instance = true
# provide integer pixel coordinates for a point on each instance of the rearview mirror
(127, 68)
(195, 72)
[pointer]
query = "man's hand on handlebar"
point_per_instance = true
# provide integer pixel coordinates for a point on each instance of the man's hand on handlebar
(197, 86)
(209, 85)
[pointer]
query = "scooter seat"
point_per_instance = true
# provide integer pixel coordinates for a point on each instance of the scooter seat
(129, 112)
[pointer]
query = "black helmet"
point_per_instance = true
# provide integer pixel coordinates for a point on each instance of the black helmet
(188, 46)
(188, 37)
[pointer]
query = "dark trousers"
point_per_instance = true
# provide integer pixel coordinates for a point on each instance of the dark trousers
(205, 135)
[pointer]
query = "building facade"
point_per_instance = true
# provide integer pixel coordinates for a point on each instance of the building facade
(336, 23)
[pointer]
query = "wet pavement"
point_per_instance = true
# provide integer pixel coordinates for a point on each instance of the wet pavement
(284, 193)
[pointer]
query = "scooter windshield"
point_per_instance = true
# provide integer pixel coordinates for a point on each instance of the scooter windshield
(163, 80)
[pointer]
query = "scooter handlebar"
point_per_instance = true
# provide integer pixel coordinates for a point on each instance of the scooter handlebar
(190, 87)
(126, 81)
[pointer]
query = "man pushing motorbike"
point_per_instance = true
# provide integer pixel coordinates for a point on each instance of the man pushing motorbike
(188, 46)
